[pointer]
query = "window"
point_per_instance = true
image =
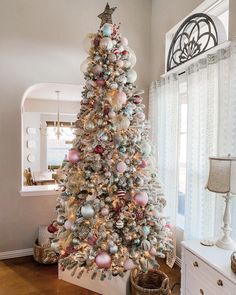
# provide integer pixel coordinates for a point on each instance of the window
(57, 149)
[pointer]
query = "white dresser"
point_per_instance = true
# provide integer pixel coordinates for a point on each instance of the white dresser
(206, 270)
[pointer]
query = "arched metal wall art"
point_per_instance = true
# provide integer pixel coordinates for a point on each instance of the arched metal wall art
(196, 35)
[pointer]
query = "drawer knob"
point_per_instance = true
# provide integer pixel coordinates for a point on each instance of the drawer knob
(220, 283)
(201, 292)
(195, 264)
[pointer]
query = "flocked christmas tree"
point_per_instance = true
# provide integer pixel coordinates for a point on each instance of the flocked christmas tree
(110, 211)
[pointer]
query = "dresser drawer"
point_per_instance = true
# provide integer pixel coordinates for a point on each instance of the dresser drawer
(204, 280)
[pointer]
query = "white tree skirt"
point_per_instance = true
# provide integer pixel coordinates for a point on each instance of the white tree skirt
(115, 286)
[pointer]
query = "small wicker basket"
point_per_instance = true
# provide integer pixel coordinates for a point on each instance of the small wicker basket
(154, 282)
(44, 255)
(233, 262)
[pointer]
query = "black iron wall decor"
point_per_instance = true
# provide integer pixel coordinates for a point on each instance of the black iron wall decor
(196, 35)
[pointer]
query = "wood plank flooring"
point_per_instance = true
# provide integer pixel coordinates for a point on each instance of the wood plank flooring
(24, 276)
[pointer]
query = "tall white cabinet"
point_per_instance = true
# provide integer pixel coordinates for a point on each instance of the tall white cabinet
(206, 270)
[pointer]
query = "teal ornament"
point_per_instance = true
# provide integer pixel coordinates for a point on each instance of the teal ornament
(122, 149)
(146, 230)
(137, 242)
(107, 30)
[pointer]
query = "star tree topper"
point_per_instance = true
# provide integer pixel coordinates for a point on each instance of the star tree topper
(106, 15)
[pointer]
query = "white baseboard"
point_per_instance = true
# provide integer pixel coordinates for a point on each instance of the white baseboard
(178, 261)
(16, 253)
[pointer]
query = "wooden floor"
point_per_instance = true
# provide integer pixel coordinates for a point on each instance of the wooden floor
(24, 276)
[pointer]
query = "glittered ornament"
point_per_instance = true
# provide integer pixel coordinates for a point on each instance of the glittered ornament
(113, 85)
(121, 122)
(104, 211)
(73, 156)
(106, 43)
(141, 198)
(121, 167)
(103, 260)
(128, 265)
(52, 228)
(143, 164)
(92, 240)
(68, 224)
(146, 245)
(87, 211)
(119, 224)
(98, 149)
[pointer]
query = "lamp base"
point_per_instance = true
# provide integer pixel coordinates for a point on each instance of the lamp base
(228, 244)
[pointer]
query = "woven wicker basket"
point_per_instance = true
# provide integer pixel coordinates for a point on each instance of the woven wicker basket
(154, 282)
(233, 262)
(44, 255)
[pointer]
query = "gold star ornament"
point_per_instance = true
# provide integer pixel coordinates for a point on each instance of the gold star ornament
(106, 15)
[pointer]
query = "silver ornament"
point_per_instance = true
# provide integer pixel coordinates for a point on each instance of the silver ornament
(61, 220)
(113, 249)
(87, 211)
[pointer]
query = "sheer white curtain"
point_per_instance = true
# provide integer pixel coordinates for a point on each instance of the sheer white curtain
(211, 99)
(163, 113)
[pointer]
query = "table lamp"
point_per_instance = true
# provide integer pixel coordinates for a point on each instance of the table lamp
(222, 179)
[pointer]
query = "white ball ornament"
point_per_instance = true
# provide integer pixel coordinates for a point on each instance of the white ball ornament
(121, 167)
(119, 224)
(103, 260)
(105, 211)
(87, 211)
(84, 65)
(106, 43)
(146, 149)
(131, 76)
(128, 265)
(132, 57)
(68, 224)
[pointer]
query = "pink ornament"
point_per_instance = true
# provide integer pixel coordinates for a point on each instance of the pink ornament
(92, 240)
(137, 99)
(116, 51)
(100, 82)
(98, 149)
(68, 224)
(103, 260)
(121, 97)
(128, 265)
(124, 41)
(73, 156)
(121, 167)
(153, 251)
(141, 198)
(143, 164)
(105, 211)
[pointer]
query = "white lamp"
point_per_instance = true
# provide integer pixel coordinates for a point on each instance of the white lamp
(222, 179)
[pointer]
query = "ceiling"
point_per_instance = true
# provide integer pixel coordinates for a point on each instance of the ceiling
(68, 92)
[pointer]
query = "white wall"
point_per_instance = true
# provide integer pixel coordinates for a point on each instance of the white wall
(41, 42)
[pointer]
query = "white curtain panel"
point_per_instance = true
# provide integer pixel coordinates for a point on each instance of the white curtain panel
(163, 113)
(211, 99)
